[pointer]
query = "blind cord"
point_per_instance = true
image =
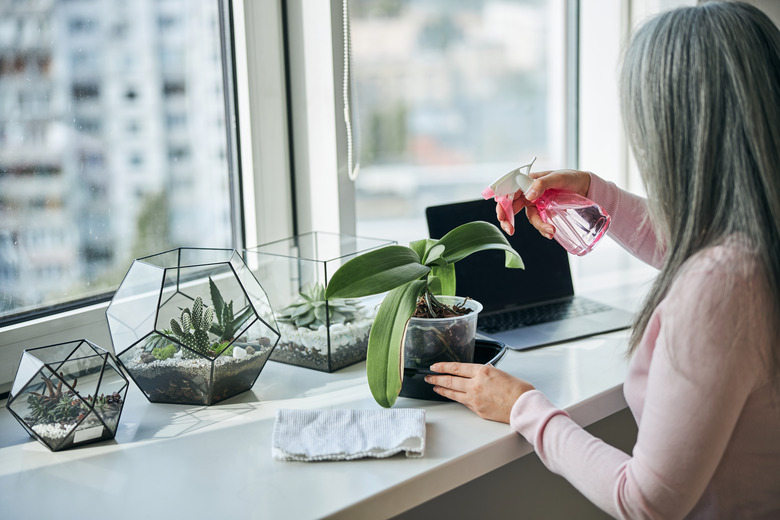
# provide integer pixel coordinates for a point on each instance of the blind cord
(351, 170)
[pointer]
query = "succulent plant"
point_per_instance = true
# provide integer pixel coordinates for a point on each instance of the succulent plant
(311, 309)
(57, 406)
(163, 353)
(193, 331)
(158, 340)
(227, 323)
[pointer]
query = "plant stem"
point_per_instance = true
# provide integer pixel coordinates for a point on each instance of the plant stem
(432, 303)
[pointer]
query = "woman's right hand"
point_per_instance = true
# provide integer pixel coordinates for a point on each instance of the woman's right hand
(566, 180)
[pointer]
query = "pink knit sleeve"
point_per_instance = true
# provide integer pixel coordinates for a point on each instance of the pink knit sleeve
(704, 362)
(630, 225)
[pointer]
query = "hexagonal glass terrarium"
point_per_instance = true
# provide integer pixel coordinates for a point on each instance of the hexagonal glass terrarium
(192, 326)
(68, 394)
(316, 333)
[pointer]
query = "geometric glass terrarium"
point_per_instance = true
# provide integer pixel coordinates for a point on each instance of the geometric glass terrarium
(68, 394)
(316, 333)
(192, 325)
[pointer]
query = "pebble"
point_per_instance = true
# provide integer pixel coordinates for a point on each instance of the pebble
(239, 353)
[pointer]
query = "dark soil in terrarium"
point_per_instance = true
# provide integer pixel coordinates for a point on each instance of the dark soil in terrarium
(189, 383)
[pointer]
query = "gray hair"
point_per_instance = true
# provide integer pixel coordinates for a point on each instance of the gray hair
(700, 97)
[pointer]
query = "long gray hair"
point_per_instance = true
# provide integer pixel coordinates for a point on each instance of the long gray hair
(700, 96)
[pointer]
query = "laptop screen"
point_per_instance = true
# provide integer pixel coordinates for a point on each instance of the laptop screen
(483, 277)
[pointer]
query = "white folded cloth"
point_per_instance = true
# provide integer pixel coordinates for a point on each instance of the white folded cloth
(311, 435)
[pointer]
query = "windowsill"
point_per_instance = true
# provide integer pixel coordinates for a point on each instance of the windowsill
(229, 445)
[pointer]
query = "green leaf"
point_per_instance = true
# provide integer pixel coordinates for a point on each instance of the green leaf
(446, 276)
(305, 319)
(300, 311)
(384, 359)
(216, 299)
(375, 272)
(421, 246)
(320, 313)
(434, 256)
(478, 236)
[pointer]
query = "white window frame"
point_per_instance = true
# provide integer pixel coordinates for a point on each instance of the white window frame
(324, 194)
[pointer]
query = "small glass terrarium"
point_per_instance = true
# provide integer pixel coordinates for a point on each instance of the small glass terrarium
(192, 326)
(68, 394)
(316, 333)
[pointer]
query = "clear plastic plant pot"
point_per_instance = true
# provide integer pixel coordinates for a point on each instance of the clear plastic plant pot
(431, 340)
(192, 326)
(68, 394)
(316, 333)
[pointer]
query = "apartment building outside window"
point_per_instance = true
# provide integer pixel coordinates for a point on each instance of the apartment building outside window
(88, 89)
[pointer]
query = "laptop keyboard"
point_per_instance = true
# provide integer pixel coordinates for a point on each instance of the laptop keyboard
(539, 314)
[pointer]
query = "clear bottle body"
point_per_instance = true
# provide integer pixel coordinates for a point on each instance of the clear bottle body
(579, 222)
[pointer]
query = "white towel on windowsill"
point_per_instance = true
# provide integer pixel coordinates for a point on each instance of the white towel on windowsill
(312, 435)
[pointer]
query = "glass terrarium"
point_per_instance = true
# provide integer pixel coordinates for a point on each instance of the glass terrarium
(315, 333)
(68, 394)
(192, 326)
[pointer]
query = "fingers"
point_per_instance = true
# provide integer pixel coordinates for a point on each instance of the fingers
(457, 377)
(570, 180)
(457, 369)
(460, 397)
(508, 228)
(455, 384)
(547, 230)
(484, 389)
(501, 215)
(518, 203)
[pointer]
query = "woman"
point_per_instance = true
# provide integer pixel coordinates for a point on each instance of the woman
(700, 96)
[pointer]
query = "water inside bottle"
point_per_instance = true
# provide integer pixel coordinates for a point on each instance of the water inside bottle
(579, 222)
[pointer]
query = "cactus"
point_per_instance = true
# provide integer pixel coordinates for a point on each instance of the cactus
(311, 309)
(193, 331)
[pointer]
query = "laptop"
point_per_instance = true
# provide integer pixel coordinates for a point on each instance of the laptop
(523, 308)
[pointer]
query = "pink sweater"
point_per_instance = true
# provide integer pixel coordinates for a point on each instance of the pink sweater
(709, 430)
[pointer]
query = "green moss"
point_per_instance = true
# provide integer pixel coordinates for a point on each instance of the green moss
(222, 349)
(164, 352)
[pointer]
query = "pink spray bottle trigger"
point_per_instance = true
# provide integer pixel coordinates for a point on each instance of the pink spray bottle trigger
(504, 188)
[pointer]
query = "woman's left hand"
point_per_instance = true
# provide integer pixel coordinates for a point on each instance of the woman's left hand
(484, 389)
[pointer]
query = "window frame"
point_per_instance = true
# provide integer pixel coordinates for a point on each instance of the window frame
(315, 42)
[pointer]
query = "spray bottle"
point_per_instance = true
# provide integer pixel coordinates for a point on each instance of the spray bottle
(579, 222)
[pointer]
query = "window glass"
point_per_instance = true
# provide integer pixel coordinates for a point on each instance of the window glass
(112, 142)
(449, 95)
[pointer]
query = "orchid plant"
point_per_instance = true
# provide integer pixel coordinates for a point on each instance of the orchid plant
(424, 269)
